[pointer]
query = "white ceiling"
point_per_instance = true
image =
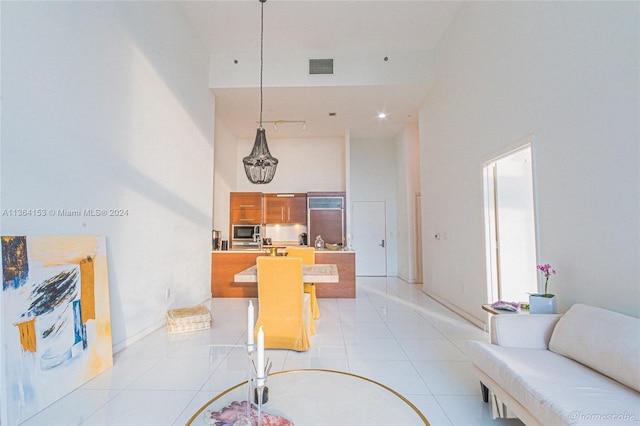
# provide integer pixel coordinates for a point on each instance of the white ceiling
(233, 28)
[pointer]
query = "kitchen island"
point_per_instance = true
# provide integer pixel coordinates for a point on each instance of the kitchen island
(226, 263)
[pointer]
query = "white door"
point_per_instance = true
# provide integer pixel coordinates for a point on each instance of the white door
(368, 224)
(512, 235)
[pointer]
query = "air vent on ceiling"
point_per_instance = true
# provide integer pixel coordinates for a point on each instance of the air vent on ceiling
(320, 66)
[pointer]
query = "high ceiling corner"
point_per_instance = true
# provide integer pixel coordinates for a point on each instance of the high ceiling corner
(335, 29)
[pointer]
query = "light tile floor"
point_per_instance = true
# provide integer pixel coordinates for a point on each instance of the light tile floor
(391, 332)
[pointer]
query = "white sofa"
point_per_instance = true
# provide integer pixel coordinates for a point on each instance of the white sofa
(580, 368)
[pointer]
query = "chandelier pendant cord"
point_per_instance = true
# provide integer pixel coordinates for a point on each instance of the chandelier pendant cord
(260, 166)
(261, 53)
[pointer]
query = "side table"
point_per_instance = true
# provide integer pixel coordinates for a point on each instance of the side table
(493, 311)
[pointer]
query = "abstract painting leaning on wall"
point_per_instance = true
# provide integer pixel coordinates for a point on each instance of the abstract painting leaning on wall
(55, 318)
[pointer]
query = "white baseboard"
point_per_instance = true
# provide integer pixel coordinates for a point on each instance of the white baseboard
(122, 345)
(473, 320)
(141, 334)
(408, 281)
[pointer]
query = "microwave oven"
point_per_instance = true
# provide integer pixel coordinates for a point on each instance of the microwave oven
(245, 235)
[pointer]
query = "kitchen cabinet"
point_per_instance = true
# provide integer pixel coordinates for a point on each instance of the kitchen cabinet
(245, 207)
(225, 264)
(285, 208)
(346, 263)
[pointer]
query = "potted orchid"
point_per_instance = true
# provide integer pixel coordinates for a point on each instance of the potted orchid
(543, 303)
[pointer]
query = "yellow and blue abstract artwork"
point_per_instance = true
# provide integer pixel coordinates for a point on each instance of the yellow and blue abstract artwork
(55, 317)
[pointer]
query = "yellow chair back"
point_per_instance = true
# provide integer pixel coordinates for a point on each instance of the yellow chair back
(280, 303)
(308, 256)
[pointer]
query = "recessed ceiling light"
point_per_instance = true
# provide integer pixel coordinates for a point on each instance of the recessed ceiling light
(332, 114)
(382, 115)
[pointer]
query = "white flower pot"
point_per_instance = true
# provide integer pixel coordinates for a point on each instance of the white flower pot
(542, 305)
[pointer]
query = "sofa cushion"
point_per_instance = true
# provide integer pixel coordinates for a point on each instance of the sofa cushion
(607, 341)
(553, 388)
(523, 331)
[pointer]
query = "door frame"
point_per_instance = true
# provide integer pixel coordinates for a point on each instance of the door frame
(418, 237)
(492, 272)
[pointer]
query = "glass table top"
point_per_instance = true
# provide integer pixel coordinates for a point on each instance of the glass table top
(323, 398)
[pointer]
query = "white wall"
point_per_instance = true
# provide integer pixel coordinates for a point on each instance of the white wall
(373, 178)
(568, 74)
(287, 68)
(408, 185)
(226, 177)
(311, 164)
(103, 107)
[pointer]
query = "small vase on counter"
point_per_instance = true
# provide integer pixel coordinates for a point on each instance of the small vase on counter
(542, 304)
(319, 244)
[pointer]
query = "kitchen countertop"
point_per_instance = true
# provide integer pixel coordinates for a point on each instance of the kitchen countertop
(225, 264)
(310, 273)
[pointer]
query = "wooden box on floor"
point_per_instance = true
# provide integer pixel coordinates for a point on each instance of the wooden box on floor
(183, 320)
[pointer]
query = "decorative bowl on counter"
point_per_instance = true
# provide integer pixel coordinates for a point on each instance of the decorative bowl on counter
(273, 251)
(333, 247)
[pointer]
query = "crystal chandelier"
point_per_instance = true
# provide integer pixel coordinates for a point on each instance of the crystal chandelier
(260, 165)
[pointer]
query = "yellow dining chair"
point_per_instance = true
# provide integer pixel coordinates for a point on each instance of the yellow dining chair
(281, 303)
(308, 256)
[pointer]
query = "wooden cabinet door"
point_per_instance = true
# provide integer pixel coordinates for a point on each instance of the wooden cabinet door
(274, 208)
(245, 208)
(285, 208)
(245, 201)
(298, 209)
(246, 216)
(330, 222)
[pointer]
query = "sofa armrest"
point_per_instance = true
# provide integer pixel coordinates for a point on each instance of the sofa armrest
(523, 331)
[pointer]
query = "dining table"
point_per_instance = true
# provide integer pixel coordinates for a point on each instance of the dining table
(315, 273)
